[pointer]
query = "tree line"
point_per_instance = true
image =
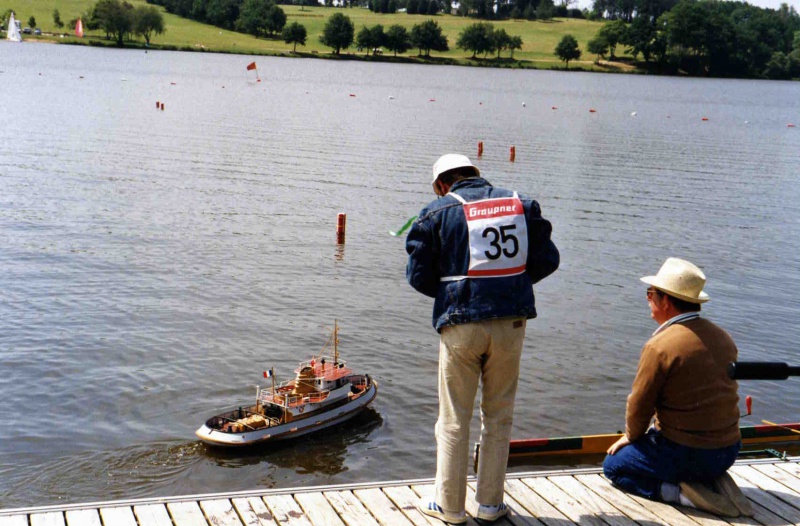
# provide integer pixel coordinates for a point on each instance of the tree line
(707, 38)
(120, 20)
(427, 36)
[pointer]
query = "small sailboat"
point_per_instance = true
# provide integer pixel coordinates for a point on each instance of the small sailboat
(13, 34)
(323, 393)
(79, 28)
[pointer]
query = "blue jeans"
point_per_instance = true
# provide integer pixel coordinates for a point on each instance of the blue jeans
(641, 467)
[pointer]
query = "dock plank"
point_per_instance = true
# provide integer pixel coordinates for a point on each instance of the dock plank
(789, 467)
(667, 513)
(617, 498)
(253, 511)
(152, 515)
(592, 501)
(406, 500)
(565, 503)
(517, 514)
(535, 504)
(579, 497)
(118, 516)
(318, 510)
(768, 484)
(50, 518)
(782, 476)
(83, 518)
(381, 507)
(765, 501)
(220, 512)
(349, 508)
(187, 514)
(286, 511)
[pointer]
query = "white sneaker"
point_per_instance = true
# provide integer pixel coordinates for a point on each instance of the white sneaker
(431, 509)
(491, 513)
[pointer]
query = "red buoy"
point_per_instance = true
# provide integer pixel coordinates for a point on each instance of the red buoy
(341, 227)
(748, 402)
(480, 148)
(512, 154)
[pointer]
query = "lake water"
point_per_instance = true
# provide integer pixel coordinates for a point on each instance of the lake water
(154, 263)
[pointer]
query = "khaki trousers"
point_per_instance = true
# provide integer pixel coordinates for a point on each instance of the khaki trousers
(489, 352)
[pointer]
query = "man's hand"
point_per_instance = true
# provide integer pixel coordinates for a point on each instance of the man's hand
(619, 444)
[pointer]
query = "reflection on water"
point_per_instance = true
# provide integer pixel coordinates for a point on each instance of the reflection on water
(131, 472)
(323, 452)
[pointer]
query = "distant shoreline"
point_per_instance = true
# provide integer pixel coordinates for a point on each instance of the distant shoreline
(554, 64)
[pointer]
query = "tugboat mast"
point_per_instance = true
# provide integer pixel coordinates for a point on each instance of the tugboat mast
(335, 342)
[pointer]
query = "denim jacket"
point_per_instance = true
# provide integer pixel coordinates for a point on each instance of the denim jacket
(438, 246)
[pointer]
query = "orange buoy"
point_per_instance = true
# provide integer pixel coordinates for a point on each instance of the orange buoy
(704, 118)
(790, 125)
(162, 106)
(158, 104)
(352, 94)
(592, 110)
(480, 148)
(512, 154)
(341, 226)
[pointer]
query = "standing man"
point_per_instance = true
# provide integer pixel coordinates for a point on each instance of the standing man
(477, 250)
(682, 382)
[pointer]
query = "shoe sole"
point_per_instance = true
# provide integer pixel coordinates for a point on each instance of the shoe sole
(728, 487)
(704, 499)
(493, 517)
(441, 516)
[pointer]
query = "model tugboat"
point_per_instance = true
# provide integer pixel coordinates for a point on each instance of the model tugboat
(323, 393)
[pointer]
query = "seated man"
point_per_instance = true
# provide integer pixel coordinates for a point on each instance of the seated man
(682, 381)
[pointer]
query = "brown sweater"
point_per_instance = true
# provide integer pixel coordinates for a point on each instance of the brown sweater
(682, 380)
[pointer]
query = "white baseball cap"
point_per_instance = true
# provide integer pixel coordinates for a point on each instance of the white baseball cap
(451, 161)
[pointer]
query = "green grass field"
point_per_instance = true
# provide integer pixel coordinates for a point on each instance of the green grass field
(539, 38)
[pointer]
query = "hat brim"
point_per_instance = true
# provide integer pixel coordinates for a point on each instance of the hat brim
(653, 281)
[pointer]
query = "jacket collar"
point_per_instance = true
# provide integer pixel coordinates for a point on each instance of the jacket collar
(472, 182)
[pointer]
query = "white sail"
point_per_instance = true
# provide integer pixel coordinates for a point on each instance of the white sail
(13, 33)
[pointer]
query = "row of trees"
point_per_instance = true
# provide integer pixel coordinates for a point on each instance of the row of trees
(427, 36)
(482, 37)
(121, 20)
(706, 37)
(482, 9)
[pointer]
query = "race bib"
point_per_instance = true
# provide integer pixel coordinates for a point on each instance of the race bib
(498, 237)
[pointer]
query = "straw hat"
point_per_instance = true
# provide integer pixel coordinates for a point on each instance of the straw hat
(680, 279)
(451, 161)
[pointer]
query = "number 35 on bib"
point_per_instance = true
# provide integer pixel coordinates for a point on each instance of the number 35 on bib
(498, 237)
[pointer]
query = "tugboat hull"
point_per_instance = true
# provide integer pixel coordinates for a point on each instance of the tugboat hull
(299, 426)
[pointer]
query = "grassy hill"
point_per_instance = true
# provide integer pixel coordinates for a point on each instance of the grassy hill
(539, 38)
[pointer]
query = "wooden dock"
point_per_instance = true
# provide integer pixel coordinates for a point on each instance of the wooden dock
(542, 498)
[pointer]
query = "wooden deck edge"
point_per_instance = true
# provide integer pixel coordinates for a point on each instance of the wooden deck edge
(317, 489)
